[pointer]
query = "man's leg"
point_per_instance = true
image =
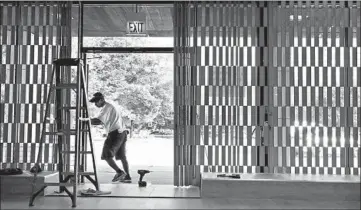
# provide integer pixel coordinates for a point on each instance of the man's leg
(126, 167)
(108, 153)
(125, 164)
(121, 154)
(113, 165)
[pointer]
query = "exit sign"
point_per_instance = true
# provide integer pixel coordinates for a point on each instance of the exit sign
(136, 24)
(136, 27)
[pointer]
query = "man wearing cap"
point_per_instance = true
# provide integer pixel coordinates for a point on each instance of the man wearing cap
(115, 143)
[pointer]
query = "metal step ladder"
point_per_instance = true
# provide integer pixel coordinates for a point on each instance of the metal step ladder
(64, 135)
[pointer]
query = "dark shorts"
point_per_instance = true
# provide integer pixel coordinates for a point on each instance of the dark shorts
(114, 145)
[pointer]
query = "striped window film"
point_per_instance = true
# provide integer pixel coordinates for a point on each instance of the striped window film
(266, 87)
(32, 35)
(316, 63)
(218, 83)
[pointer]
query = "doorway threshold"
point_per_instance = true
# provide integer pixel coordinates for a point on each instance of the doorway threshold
(122, 190)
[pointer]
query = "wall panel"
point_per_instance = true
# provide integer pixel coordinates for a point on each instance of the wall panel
(315, 113)
(267, 87)
(219, 77)
(32, 36)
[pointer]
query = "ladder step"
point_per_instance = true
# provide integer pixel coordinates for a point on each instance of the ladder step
(73, 152)
(80, 173)
(66, 86)
(62, 133)
(58, 184)
(67, 61)
(71, 107)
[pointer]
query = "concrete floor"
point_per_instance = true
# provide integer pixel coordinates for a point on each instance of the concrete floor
(163, 174)
(141, 155)
(133, 191)
(171, 203)
(157, 176)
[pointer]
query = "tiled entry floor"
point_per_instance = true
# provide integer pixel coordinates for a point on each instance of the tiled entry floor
(133, 191)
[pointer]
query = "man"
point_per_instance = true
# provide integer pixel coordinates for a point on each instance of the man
(115, 143)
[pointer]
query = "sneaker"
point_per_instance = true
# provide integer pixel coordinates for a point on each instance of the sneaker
(119, 176)
(126, 179)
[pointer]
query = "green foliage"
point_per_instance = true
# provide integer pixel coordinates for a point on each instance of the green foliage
(141, 84)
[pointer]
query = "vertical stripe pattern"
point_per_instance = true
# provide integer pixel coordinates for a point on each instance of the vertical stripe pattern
(316, 89)
(218, 80)
(289, 67)
(32, 36)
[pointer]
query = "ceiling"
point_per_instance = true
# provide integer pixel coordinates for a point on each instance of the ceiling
(110, 20)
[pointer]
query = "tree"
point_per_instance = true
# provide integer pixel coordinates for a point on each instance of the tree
(138, 83)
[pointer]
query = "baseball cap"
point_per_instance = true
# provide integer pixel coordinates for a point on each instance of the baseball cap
(96, 97)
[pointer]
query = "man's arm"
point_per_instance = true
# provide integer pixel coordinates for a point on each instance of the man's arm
(95, 121)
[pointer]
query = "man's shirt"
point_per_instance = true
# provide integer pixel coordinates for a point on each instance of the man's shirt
(111, 118)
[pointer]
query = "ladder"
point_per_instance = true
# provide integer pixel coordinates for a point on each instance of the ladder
(63, 133)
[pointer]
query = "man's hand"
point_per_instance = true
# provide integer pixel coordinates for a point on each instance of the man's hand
(95, 121)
